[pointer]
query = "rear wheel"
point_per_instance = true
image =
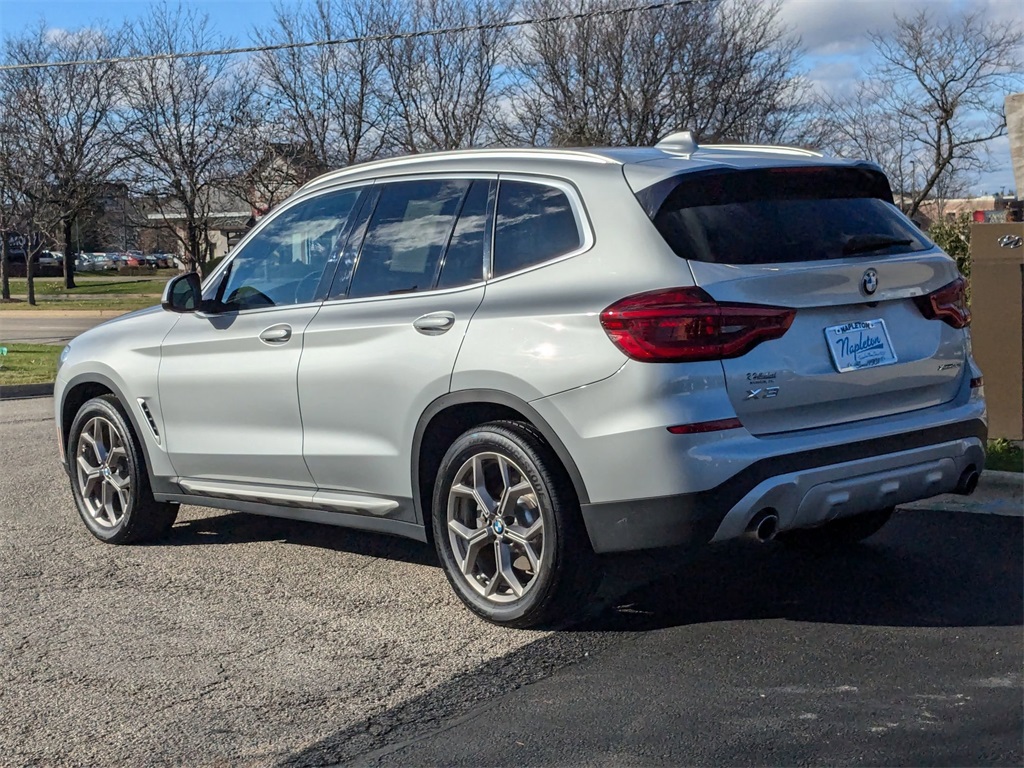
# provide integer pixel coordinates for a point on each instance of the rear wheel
(507, 528)
(109, 479)
(838, 533)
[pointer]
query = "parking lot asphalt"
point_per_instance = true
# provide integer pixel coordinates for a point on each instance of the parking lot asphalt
(252, 641)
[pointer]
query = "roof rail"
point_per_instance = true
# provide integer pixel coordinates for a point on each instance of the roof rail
(681, 141)
(579, 155)
(774, 148)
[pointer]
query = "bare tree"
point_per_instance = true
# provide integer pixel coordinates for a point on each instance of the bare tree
(327, 100)
(184, 120)
(925, 111)
(443, 87)
(725, 70)
(67, 117)
(24, 211)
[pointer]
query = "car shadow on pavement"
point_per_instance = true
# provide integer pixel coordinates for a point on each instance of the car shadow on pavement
(239, 528)
(924, 569)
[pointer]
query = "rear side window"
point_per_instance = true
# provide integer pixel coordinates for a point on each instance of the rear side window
(779, 215)
(534, 223)
(406, 236)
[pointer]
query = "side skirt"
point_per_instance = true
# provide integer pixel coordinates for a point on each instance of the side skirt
(341, 519)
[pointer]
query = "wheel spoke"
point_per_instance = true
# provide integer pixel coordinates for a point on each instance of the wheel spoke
(483, 497)
(523, 539)
(476, 539)
(503, 556)
(98, 440)
(496, 579)
(123, 494)
(512, 496)
(89, 441)
(107, 492)
(464, 491)
(116, 454)
(88, 476)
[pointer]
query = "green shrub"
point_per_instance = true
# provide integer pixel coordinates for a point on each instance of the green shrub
(954, 237)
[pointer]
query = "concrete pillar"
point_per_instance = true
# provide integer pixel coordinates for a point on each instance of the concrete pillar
(1015, 129)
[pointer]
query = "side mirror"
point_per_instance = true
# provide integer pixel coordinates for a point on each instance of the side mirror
(182, 293)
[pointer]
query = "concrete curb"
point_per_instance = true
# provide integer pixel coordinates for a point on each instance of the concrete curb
(995, 479)
(24, 391)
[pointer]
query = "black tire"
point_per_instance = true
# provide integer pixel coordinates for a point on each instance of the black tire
(843, 532)
(557, 588)
(132, 515)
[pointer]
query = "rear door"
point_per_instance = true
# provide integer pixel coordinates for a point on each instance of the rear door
(827, 242)
(383, 346)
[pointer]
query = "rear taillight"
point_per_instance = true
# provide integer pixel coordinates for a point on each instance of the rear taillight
(686, 324)
(948, 304)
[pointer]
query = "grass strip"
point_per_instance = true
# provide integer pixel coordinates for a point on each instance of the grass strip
(54, 286)
(28, 363)
(112, 303)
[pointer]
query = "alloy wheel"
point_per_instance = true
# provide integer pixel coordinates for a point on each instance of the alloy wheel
(104, 477)
(495, 527)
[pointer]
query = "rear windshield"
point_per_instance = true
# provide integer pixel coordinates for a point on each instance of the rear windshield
(774, 215)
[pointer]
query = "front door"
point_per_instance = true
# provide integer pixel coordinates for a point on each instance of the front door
(227, 380)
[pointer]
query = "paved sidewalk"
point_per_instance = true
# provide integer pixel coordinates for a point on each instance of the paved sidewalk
(998, 493)
(50, 326)
(6, 314)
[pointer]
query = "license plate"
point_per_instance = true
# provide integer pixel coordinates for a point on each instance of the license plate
(859, 344)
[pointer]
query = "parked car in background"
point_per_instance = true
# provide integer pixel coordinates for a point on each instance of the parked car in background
(91, 262)
(532, 358)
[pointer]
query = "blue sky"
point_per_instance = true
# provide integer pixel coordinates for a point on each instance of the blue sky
(833, 33)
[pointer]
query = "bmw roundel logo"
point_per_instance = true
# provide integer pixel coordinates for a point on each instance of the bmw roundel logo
(869, 283)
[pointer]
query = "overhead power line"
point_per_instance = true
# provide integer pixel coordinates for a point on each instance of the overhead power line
(580, 15)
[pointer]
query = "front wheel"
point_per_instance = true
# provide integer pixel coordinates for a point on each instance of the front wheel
(507, 528)
(843, 532)
(109, 479)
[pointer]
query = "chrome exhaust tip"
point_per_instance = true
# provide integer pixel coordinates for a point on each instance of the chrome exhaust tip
(968, 482)
(764, 525)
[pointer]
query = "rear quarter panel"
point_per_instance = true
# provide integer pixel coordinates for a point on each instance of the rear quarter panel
(538, 331)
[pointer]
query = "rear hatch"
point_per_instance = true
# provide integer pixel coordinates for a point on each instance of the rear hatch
(879, 309)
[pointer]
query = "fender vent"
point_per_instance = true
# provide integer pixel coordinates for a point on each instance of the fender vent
(149, 418)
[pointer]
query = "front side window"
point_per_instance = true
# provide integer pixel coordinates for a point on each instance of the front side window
(284, 262)
(535, 223)
(406, 235)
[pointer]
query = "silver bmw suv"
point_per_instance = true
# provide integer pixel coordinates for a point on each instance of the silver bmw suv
(531, 358)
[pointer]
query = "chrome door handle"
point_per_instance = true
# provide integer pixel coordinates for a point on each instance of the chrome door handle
(435, 323)
(276, 334)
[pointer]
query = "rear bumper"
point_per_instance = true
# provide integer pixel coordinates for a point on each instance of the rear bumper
(804, 489)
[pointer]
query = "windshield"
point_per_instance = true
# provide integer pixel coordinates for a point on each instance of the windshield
(778, 215)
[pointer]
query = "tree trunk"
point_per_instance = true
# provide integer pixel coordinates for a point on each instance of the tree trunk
(69, 261)
(5, 269)
(30, 275)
